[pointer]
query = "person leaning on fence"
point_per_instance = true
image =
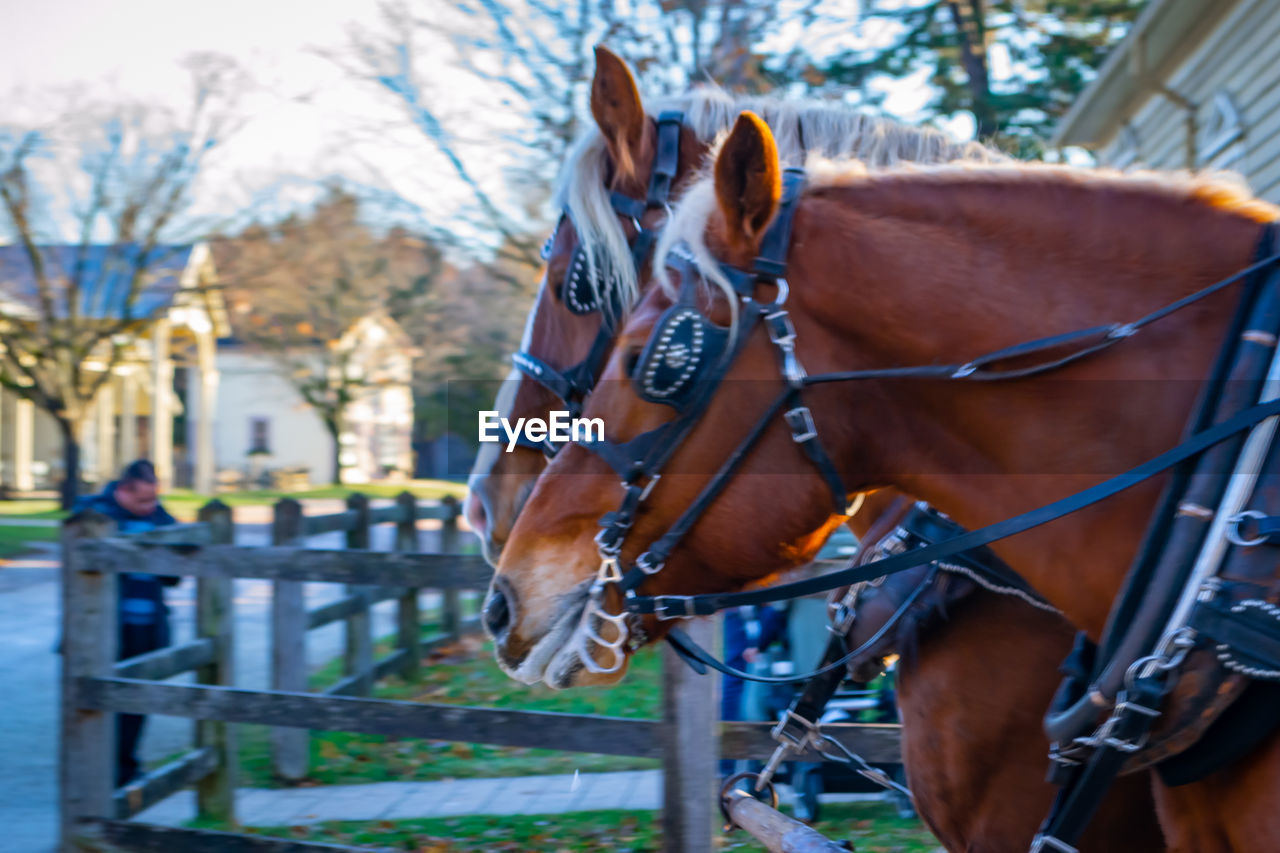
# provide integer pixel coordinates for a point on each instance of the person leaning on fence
(133, 502)
(748, 631)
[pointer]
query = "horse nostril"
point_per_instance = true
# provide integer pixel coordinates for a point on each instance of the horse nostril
(497, 613)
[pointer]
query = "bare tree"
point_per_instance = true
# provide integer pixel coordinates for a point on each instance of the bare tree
(69, 307)
(298, 290)
(499, 87)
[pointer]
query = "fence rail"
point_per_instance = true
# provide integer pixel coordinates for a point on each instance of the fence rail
(95, 686)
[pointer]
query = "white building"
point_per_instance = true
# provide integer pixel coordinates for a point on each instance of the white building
(1194, 85)
(180, 316)
(264, 424)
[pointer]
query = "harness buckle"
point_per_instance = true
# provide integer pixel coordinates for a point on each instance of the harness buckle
(606, 544)
(792, 369)
(781, 330)
(1233, 529)
(648, 487)
(646, 564)
(664, 607)
(795, 732)
(842, 619)
(800, 419)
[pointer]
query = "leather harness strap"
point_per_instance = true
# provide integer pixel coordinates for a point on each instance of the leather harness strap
(674, 607)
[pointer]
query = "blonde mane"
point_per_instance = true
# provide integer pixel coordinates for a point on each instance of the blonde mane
(802, 129)
(685, 231)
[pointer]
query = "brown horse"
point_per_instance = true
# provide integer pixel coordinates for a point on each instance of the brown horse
(882, 273)
(561, 338)
(976, 669)
(617, 156)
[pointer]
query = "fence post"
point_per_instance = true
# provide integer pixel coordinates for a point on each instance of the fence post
(450, 609)
(289, 746)
(690, 749)
(408, 618)
(215, 618)
(357, 658)
(86, 760)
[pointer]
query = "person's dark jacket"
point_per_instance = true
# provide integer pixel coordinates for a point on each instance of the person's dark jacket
(751, 628)
(141, 596)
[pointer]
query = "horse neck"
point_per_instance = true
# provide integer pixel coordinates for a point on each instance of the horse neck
(935, 271)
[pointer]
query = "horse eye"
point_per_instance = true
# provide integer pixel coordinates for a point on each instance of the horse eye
(632, 361)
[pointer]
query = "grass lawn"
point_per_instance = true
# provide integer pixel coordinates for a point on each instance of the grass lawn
(872, 827)
(184, 503)
(38, 508)
(462, 674)
(14, 539)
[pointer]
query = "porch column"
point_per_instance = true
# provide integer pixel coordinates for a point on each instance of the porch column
(128, 416)
(106, 432)
(5, 478)
(162, 405)
(23, 436)
(205, 392)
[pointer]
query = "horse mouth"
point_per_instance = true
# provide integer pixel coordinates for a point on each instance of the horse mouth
(551, 647)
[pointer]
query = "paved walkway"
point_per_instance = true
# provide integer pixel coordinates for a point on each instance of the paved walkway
(635, 789)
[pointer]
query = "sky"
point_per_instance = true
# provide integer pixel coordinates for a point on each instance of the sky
(300, 109)
(306, 118)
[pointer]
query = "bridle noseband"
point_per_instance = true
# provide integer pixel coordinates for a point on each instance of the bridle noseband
(581, 293)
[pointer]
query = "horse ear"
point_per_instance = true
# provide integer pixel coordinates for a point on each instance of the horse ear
(616, 107)
(748, 180)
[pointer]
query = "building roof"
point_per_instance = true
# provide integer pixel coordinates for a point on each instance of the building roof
(1162, 37)
(105, 279)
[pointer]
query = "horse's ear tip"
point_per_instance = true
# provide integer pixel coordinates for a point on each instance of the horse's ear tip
(748, 123)
(604, 56)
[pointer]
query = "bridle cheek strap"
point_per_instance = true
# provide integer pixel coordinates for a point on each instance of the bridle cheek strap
(643, 457)
(573, 384)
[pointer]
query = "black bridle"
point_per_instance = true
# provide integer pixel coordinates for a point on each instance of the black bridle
(581, 295)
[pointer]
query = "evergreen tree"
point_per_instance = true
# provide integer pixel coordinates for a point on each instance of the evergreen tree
(1015, 65)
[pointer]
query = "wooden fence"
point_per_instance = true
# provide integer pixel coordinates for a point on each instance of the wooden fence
(95, 686)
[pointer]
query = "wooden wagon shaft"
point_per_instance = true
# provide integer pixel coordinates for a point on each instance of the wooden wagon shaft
(777, 832)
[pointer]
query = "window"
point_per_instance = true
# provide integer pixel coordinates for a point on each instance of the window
(1221, 142)
(259, 435)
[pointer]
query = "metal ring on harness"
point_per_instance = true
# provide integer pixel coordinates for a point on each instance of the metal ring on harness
(1233, 528)
(731, 784)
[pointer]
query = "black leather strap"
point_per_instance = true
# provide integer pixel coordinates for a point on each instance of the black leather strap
(1090, 784)
(1250, 633)
(835, 659)
(666, 161)
(573, 384)
(705, 605)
